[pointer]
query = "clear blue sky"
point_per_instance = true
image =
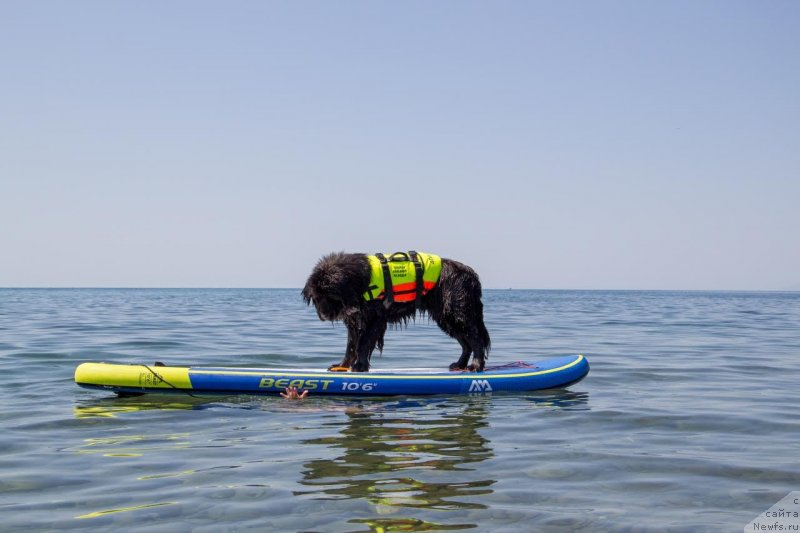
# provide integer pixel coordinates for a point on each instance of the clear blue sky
(586, 144)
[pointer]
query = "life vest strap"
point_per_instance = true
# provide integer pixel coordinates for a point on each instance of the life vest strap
(371, 291)
(388, 289)
(419, 269)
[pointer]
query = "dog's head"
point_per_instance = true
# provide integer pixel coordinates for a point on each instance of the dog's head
(336, 283)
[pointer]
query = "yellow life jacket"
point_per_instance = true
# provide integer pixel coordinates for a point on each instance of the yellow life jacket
(407, 276)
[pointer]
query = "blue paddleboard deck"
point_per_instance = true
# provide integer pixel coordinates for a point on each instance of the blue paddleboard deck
(557, 372)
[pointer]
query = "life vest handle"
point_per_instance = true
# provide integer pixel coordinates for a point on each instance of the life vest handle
(403, 256)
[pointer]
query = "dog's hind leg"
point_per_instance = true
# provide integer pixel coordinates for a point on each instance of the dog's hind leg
(474, 342)
(456, 331)
(479, 354)
(479, 341)
(466, 351)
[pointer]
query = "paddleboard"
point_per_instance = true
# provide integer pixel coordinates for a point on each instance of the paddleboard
(127, 379)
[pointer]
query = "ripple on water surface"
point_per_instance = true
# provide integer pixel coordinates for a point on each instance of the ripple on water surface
(688, 419)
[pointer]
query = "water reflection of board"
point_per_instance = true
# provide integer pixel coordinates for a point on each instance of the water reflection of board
(551, 373)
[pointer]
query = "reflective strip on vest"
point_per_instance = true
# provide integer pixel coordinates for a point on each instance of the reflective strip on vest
(404, 276)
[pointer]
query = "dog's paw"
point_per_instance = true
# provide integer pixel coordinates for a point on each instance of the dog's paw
(455, 367)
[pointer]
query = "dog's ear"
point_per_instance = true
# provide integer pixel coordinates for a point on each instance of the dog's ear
(336, 285)
(308, 294)
(346, 293)
(334, 279)
(317, 287)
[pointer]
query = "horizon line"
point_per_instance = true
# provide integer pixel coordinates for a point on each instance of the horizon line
(144, 287)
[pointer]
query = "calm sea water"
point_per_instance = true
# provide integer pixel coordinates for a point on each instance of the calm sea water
(689, 419)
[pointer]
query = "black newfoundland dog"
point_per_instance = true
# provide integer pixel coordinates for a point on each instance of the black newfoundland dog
(337, 288)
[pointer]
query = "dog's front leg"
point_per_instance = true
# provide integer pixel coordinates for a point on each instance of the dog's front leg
(370, 338)
(350, 352)
(362, 354)
(353, 336)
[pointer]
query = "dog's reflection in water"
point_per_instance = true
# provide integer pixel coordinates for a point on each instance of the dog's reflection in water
(409, 454)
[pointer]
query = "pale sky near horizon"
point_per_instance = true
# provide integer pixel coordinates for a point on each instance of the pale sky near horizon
(592, 145)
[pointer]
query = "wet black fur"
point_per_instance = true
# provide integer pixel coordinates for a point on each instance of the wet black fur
(338, 282)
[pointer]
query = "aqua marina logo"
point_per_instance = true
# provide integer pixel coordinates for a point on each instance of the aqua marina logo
(480, 385)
